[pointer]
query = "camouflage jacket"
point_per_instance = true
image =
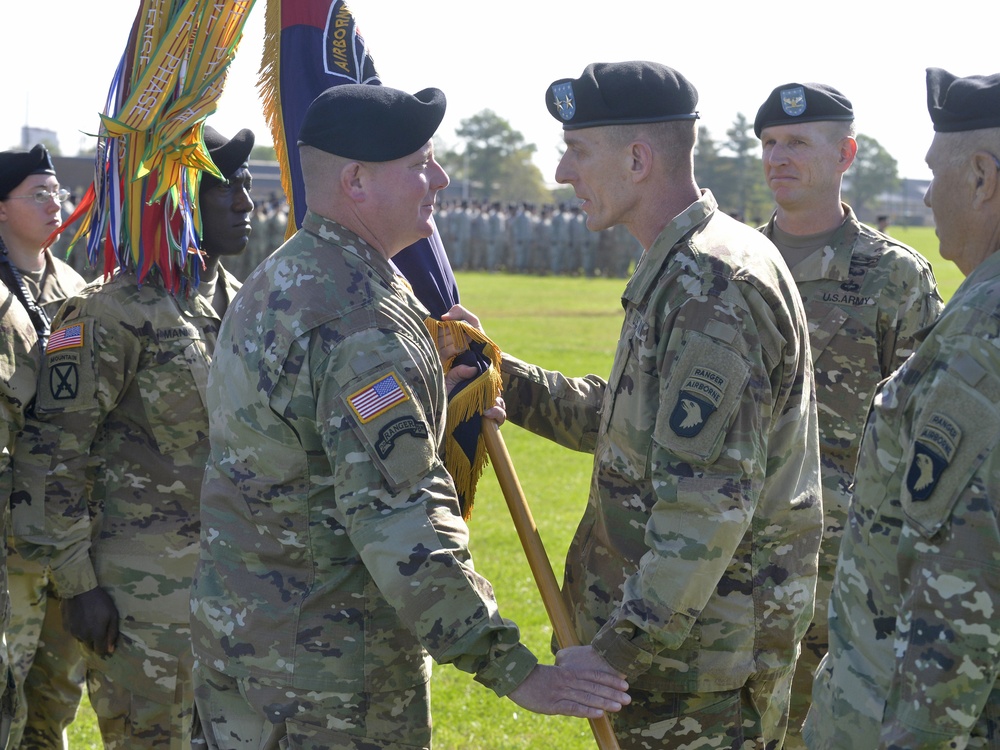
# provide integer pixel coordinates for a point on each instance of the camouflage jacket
(122, 428)
(333, 551)
(695, 563)
(18, 374)
(914, 631)
(60, 283)
(866, 296)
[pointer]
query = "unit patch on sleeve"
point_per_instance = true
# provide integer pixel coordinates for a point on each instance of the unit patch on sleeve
(377, 398)
(933, 451)
(64, 381)
(698, 399)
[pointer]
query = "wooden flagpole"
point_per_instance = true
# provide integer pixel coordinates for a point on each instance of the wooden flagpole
(538, 561)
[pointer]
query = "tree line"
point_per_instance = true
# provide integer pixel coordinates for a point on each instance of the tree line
(493, 162)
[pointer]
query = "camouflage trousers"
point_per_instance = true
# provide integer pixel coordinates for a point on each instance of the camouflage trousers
(45, 660)
(250, 714)
(751, 718)
(814, 646)
(8, 698)
(142, 694)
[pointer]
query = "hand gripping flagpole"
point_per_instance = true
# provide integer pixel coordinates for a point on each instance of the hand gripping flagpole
(538, 561)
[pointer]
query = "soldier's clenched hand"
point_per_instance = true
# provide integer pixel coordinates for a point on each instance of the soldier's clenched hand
(92, 619)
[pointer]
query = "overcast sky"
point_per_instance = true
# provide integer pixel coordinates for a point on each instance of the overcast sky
(60, 58)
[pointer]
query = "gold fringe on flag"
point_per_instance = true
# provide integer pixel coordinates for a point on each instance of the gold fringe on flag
(453, 337)
(269, 86)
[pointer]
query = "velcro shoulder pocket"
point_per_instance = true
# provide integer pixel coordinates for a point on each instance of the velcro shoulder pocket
(392, 426)
(956, 428)
(704, 390)
(68, 378)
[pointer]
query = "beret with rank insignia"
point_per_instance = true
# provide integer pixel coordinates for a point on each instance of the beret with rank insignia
(622, 93)
(802, 102)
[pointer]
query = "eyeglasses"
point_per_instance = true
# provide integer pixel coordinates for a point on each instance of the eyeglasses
(44, 196)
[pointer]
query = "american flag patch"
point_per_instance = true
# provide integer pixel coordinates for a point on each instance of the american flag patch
(70, 337)
(377, 398)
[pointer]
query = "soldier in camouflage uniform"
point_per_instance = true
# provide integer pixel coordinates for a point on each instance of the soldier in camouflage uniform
(558, 249)
(19, 354)
(334, 556)
(693, 569)
(914, 625)
(866, 296)
(123, 428)
(522, 228)
(47, 664)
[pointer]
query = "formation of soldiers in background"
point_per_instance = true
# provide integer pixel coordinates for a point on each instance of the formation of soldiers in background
(525, 238)
(478, 235)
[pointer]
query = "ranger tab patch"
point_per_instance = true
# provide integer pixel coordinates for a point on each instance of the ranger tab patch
(933, 451)
(403, 426)
(68, 337)
(698, 399)
(377, 398)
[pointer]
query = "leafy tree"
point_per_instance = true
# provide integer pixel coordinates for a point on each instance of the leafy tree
(753, 199)
(707, 161)
(263, 153)
(496, 161)
(873, 173)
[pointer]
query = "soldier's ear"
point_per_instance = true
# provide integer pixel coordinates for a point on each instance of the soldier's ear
(640, 160)
(848, 151)
(984, 167)
(354, 180)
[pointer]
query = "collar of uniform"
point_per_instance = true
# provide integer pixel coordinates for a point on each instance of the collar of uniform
(987, 270)
(201, 305)
(651, 264)
(833, 261)
(337, 234)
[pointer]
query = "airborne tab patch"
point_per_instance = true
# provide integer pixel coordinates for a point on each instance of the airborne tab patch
(933, 451)
(698, 399)
(377, 398)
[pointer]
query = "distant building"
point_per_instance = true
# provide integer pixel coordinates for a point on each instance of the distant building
(905, 205)
(77, 172)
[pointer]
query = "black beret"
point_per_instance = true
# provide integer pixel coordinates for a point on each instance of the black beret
(958, 104)
(372, 123)
(802, 102)
(622, 93)
(228, 154)
(16, 166)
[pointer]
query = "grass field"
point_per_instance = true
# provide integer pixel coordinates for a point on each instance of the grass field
(572, 325)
